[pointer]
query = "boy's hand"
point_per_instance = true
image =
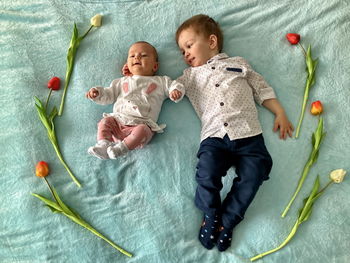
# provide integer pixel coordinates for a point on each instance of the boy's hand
(92, 93)
(125, 71)
(282, 123)
(175, 95)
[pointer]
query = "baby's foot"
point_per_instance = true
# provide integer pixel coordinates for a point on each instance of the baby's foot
(100, 149)
(209, 231)
(224, 238)
(117, 149)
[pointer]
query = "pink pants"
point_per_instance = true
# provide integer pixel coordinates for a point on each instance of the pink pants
(134, 136)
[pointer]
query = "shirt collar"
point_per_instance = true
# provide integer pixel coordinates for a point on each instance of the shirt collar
(218, 57)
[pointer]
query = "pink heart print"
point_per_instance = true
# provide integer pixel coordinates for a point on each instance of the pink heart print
(151, 88)
(125, 87)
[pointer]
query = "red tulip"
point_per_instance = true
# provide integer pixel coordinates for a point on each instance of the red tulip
(293, 38)
(42, 169)
(54, 83)
(316, 108)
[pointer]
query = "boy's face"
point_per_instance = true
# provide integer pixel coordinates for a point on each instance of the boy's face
(196, 48)
(142, 60)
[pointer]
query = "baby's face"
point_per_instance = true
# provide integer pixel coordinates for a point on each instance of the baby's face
(196, 48)
(142, 60)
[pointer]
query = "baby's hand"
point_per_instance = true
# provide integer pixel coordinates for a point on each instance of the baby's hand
(125, 71)
(282, 123)
(92, 93)
(175, 95)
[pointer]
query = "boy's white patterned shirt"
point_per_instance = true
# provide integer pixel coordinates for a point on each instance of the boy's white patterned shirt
(223, 92)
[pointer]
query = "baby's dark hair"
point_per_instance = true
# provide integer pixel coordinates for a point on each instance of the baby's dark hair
(202, 24)
(145, 42)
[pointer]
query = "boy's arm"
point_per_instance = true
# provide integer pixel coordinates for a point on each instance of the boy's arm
(281, 120)
(175, 89)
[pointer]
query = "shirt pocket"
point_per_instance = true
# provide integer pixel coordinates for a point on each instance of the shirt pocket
(235, 71)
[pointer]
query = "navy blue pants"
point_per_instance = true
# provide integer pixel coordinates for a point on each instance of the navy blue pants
(252, 164)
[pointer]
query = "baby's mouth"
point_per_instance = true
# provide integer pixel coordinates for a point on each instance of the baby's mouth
(137, 63)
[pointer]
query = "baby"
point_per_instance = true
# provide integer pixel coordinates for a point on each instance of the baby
(137, 100)
(223, 91)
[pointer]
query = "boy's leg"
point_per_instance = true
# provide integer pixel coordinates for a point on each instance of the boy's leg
(136, 137)
(212, 166)
(252, 168)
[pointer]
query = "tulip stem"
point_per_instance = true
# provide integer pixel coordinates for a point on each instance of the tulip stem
(285, 242)
(47, 182)
(301, 117)
(302, 48)
(60, 157)
(87, 32)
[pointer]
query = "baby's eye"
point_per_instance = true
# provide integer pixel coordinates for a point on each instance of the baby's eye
(189, 46)
(144, 55)
(131, 56)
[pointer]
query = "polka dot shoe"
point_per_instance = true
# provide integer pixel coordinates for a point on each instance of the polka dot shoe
(224, 238)
(209, 231)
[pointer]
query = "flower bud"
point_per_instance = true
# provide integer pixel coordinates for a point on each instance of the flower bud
(42, 169)
(96, 20)
(54, 83)
(293, 38)
(338, 175)
(316, 108)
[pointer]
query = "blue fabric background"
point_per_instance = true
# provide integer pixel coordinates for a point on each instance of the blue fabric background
(144, 201)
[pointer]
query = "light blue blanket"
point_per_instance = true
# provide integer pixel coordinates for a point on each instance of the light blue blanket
(144, 201)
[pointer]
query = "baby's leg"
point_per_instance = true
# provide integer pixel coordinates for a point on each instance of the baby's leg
(139, 137)
(135, 137)
(109, 129)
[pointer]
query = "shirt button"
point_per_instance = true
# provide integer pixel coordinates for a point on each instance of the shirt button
(217, 85)
(212, 67)
(221, 104)
(225, 124)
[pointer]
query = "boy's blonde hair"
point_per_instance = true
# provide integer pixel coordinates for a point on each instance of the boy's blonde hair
(202, 24)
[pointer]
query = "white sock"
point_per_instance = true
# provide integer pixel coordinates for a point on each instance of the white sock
(116, 150)
(100, 149)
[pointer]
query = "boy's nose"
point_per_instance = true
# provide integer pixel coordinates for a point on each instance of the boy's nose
(138, 56)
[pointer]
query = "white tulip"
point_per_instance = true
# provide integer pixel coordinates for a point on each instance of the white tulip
(337, 176)
(96, 20)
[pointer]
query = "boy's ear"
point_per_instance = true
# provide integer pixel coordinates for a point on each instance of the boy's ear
(213, 41)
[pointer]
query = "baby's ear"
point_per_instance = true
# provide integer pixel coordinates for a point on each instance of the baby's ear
(155, 67)
(213, 41)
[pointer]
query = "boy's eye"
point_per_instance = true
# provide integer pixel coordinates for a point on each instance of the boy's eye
(144, 55)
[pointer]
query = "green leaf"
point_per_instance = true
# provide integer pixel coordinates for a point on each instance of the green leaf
(48, 202)
(38, 101)
(53, 210)
(305, 212)
(64, 207)
(53, 114)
